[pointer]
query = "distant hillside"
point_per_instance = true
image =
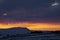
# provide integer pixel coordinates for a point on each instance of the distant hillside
(18, 33)
(15, 30)
(20, 30)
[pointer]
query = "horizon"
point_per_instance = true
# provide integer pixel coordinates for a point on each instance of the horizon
(32, 26)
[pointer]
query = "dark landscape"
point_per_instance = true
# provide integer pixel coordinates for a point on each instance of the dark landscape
(25, 34)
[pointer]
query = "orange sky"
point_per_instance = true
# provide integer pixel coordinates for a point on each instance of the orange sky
(32, 26)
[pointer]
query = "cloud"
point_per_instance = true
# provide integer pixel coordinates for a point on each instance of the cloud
(22, 14)
(31, 10)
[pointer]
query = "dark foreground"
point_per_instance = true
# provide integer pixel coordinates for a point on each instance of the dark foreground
(31, 35)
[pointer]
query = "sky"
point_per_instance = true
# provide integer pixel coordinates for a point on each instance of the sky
(33, 14)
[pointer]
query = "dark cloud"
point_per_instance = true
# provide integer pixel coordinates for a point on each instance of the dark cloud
(30, 10)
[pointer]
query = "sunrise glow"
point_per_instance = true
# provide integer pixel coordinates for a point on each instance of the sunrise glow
(31, 26)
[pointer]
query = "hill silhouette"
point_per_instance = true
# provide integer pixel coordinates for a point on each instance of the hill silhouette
(18, 33)
(15, 30)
